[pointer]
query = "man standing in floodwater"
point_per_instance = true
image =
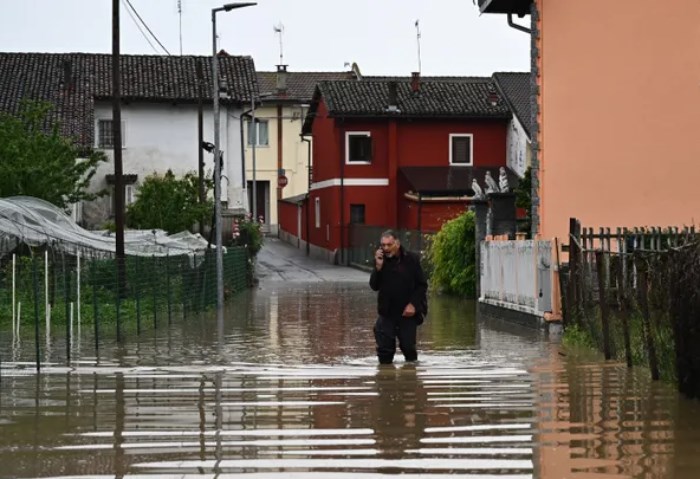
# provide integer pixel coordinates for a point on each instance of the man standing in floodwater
(402, 301)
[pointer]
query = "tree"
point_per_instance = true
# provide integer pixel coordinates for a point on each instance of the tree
(168, 203)
(35, 160)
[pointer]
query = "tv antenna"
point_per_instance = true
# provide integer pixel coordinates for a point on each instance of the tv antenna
(179, 11)
(279, 30)
(418, 40)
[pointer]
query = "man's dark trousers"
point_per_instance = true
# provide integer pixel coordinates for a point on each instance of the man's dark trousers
(387, 330)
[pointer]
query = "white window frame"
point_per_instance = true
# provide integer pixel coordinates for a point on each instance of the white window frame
(97, 135)
(471, 148)
(317, 211)
(348, 134)
(257, 133)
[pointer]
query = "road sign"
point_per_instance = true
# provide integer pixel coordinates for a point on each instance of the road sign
(282, 181)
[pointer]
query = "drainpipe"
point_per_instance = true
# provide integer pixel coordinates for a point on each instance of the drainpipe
(245, 114)
(420, 222)
(308, 194)
(280, 160)
(342, 195)
(512, 24)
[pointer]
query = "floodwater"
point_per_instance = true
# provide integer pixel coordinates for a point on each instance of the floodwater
(292, 390)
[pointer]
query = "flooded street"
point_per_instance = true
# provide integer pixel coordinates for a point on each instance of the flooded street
(293, 390)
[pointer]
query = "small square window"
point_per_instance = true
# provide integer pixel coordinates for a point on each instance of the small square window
(358, 147)
(262, 131)
(461, 149)
(105, 134)
(357, 214)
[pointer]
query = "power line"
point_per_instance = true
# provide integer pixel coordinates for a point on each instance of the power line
(139, 27)
(147, 27)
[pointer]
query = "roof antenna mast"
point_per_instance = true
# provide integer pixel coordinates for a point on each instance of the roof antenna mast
(179, 11)
(279, 30)
(418, 40)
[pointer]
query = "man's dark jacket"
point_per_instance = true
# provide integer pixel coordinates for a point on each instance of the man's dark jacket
(400, 281)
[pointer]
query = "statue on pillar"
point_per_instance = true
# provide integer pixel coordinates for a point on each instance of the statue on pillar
(491, 186)
(503, 180)
(478, 192)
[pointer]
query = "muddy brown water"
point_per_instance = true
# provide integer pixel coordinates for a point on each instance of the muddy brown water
(292, 390)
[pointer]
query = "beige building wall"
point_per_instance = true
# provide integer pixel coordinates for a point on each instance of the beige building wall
(619, 113)
(294, 157)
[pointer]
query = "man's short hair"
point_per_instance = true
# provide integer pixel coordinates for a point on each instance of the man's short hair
(391, 233)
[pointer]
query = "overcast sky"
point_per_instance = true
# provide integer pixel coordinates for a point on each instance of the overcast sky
(319, 35)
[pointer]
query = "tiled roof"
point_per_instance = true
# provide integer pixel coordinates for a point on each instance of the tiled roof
(436, 99)
(452, 180)
(515, 86)
(40, 76)
(446, 79)
(300, 85)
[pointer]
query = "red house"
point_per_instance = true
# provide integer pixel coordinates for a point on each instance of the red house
(395, 153)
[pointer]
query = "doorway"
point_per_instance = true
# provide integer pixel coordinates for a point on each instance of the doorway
(262, 201)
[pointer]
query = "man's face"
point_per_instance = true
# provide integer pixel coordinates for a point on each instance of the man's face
(390, 245)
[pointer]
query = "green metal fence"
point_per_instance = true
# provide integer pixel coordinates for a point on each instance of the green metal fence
(42, 289)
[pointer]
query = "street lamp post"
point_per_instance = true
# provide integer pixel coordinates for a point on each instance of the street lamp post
(217, 163)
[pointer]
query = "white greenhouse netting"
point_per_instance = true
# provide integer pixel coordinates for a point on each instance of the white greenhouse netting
(35, 222)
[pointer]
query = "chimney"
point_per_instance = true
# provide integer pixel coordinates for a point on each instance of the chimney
(493, 97)
(281, 79)
(393, 105)
(67, 75)
(223, 86)
(415, 82)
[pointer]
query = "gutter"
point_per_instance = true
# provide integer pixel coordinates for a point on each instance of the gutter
(243, 141)
(512, 24)
(308, 195)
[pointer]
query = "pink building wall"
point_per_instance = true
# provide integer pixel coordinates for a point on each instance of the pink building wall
(619, 113)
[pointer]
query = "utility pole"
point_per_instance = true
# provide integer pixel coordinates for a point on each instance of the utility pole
(200, 138)
(217, 165)
(118, 169)
(217, 179)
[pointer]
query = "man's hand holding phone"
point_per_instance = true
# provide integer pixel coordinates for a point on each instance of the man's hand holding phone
(379, 259)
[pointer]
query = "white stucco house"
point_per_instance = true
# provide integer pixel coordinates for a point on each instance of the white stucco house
(515, 88)
(159, 115)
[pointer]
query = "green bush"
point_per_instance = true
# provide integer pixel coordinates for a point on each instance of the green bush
(169, 203)
(452, 257)
(248, 234)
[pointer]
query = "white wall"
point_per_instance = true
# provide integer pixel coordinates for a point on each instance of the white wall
(517, 275)
(518, 153)
(162, 136)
